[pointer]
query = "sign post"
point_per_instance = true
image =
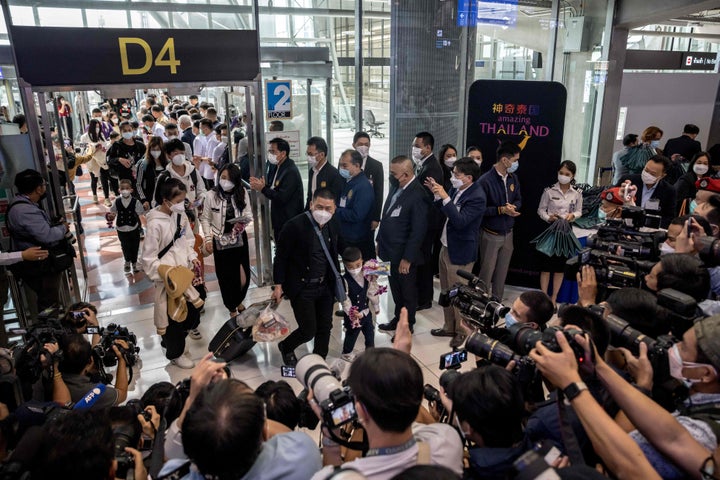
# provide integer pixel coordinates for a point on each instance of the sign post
(279, 99)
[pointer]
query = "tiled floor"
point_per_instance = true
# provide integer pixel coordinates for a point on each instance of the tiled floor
(126, 299)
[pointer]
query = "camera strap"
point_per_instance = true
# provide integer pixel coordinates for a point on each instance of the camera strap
(158, 451)
(361, 446)
(567, 433)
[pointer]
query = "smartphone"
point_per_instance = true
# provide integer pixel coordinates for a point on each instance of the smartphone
(216, 359)
(547, 451)
(93, 330)
(287, 371)
(453, 359)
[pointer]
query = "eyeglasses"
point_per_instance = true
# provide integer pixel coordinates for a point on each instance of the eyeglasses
(707, 471)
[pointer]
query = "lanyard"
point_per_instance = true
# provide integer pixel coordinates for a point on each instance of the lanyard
(374, 452)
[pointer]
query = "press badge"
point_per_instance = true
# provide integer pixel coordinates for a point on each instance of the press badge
(396, 212)
(653, 204)
(343, 202)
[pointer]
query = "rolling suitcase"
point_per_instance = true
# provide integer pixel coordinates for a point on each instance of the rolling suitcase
(235, 338)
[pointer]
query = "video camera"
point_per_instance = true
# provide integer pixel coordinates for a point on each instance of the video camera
(336, 401)
(27, 355)
(108, 336)
(612, 271)
(474, 302)
(709, 249)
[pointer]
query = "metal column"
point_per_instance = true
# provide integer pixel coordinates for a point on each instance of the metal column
(552, 46)
(358, 66)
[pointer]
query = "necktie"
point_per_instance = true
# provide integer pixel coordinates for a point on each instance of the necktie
(393, 199)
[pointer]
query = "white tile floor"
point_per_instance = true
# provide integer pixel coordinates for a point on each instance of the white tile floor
(263, 361)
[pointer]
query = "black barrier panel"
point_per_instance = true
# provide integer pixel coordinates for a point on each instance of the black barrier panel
(531, 114)
(48, 56)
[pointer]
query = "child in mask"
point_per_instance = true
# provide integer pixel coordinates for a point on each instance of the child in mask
(127, 209)
(356, 308)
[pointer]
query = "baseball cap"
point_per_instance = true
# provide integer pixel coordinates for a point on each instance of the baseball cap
(707, 332)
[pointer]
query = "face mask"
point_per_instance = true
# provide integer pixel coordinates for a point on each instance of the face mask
(513, 168)
(416, 154)
(321, 216)
(172, 137)
(272, 159)
(394, 182)
(226, 185)
(155, 153)
(655, 144)
(450, 162)
(456, 182)
(665, 249)
(127, 135)
(602, 216)
(700, 169)
(177, 207)
(355, 271)
(693, 206)
(647, 178)
(677, 364)
(223, 139)
(564, 179)
(125, 193)
(510, 320)
(363, 150)
(344, 173)
(178, 159)
(478, 162)
(312, 161)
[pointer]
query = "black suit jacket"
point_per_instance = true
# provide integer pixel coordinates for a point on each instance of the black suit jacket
(664, 192)
(401, 236)
(431, 168)
(684, 145)
(328, 177)
(374, 172)
(287, 195)
(293, 253)
(188, 137)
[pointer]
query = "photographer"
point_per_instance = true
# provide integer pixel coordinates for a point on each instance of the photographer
(281, 403)
(79, 317)
(387, 402)
(78, 362)
(684, 273)
(533, 308)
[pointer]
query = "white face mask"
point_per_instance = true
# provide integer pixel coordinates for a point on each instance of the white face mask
(700, 169)
(363, 150)
(450, 162)
(178, 207)
(677, 364)
(312, 161)
(456, 182)
(125, 193)
(226, 185)
(321, 216)
(665, 249)
(172, 137)
(416, 154)
(223, 139)
(272, 159)
(647, 178)
(178, 159)
(155, 153)
(564, 179)
(355, 271)
(127, 135)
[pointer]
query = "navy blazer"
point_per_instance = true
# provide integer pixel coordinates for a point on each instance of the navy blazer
(355, 208)
(431, 168)
(286, 198)
(463, 223)
(403, 226)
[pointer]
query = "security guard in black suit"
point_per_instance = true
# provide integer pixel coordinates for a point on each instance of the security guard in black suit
(427, 166)
(321, 174)
(283, 186)
(302, 272)
(400, 237)
(374, 171)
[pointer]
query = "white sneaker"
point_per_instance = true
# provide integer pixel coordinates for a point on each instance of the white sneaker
(348, 357)
(183, 362)
(195, 334)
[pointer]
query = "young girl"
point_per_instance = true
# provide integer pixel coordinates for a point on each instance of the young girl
(98, 165)
(169, 241)
(152, 165)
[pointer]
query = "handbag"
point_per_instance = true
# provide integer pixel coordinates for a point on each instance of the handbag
(61, 256)
(340, 294)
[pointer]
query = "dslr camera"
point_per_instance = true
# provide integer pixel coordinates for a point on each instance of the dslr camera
(109, 335)
(474, 302)
(336, 401)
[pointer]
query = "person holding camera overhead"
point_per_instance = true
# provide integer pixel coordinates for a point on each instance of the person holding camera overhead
(560, 201)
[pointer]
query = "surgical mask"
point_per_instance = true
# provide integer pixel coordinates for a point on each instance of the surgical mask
(693, 206)
(127, 135)
(450, 162)
(155, 153)
(344, 173)
(478, 162)
(564, 179)
(224, 139)
(665, 249)
(125, 193)
(172, 137)
(677, 364)
(177, 207)
(272, 159)
(510, 320)
(416, 154)
(700, 169)
(363, 150)
(647, 178)
(355, 271)
(602, 216)
(456, 182)
(226, 185)
(312, 161)
(513, 168)
(655, 144)
(178, 159)
(321, 216)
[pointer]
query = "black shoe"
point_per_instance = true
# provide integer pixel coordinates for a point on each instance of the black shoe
(458, 340)
(424, 306)
(289, 358)
(388, 327)
(441, 332)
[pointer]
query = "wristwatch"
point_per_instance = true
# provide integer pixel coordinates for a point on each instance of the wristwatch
(573, 390)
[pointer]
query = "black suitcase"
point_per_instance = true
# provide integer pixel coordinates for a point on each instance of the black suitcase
(231, 341)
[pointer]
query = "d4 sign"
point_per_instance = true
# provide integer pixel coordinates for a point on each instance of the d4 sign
(165, 58)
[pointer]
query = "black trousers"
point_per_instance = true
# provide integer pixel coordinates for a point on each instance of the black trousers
(313, 309)
(130, 244)
(404, 291)
(227, 268)
(46, 285)
(174, 338)
(108, 182)
(426, 271)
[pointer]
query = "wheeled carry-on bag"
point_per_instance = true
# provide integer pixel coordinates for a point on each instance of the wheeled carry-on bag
(235, 337)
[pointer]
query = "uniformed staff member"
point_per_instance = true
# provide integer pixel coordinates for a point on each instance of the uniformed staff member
(561, 200)
(357, 205)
